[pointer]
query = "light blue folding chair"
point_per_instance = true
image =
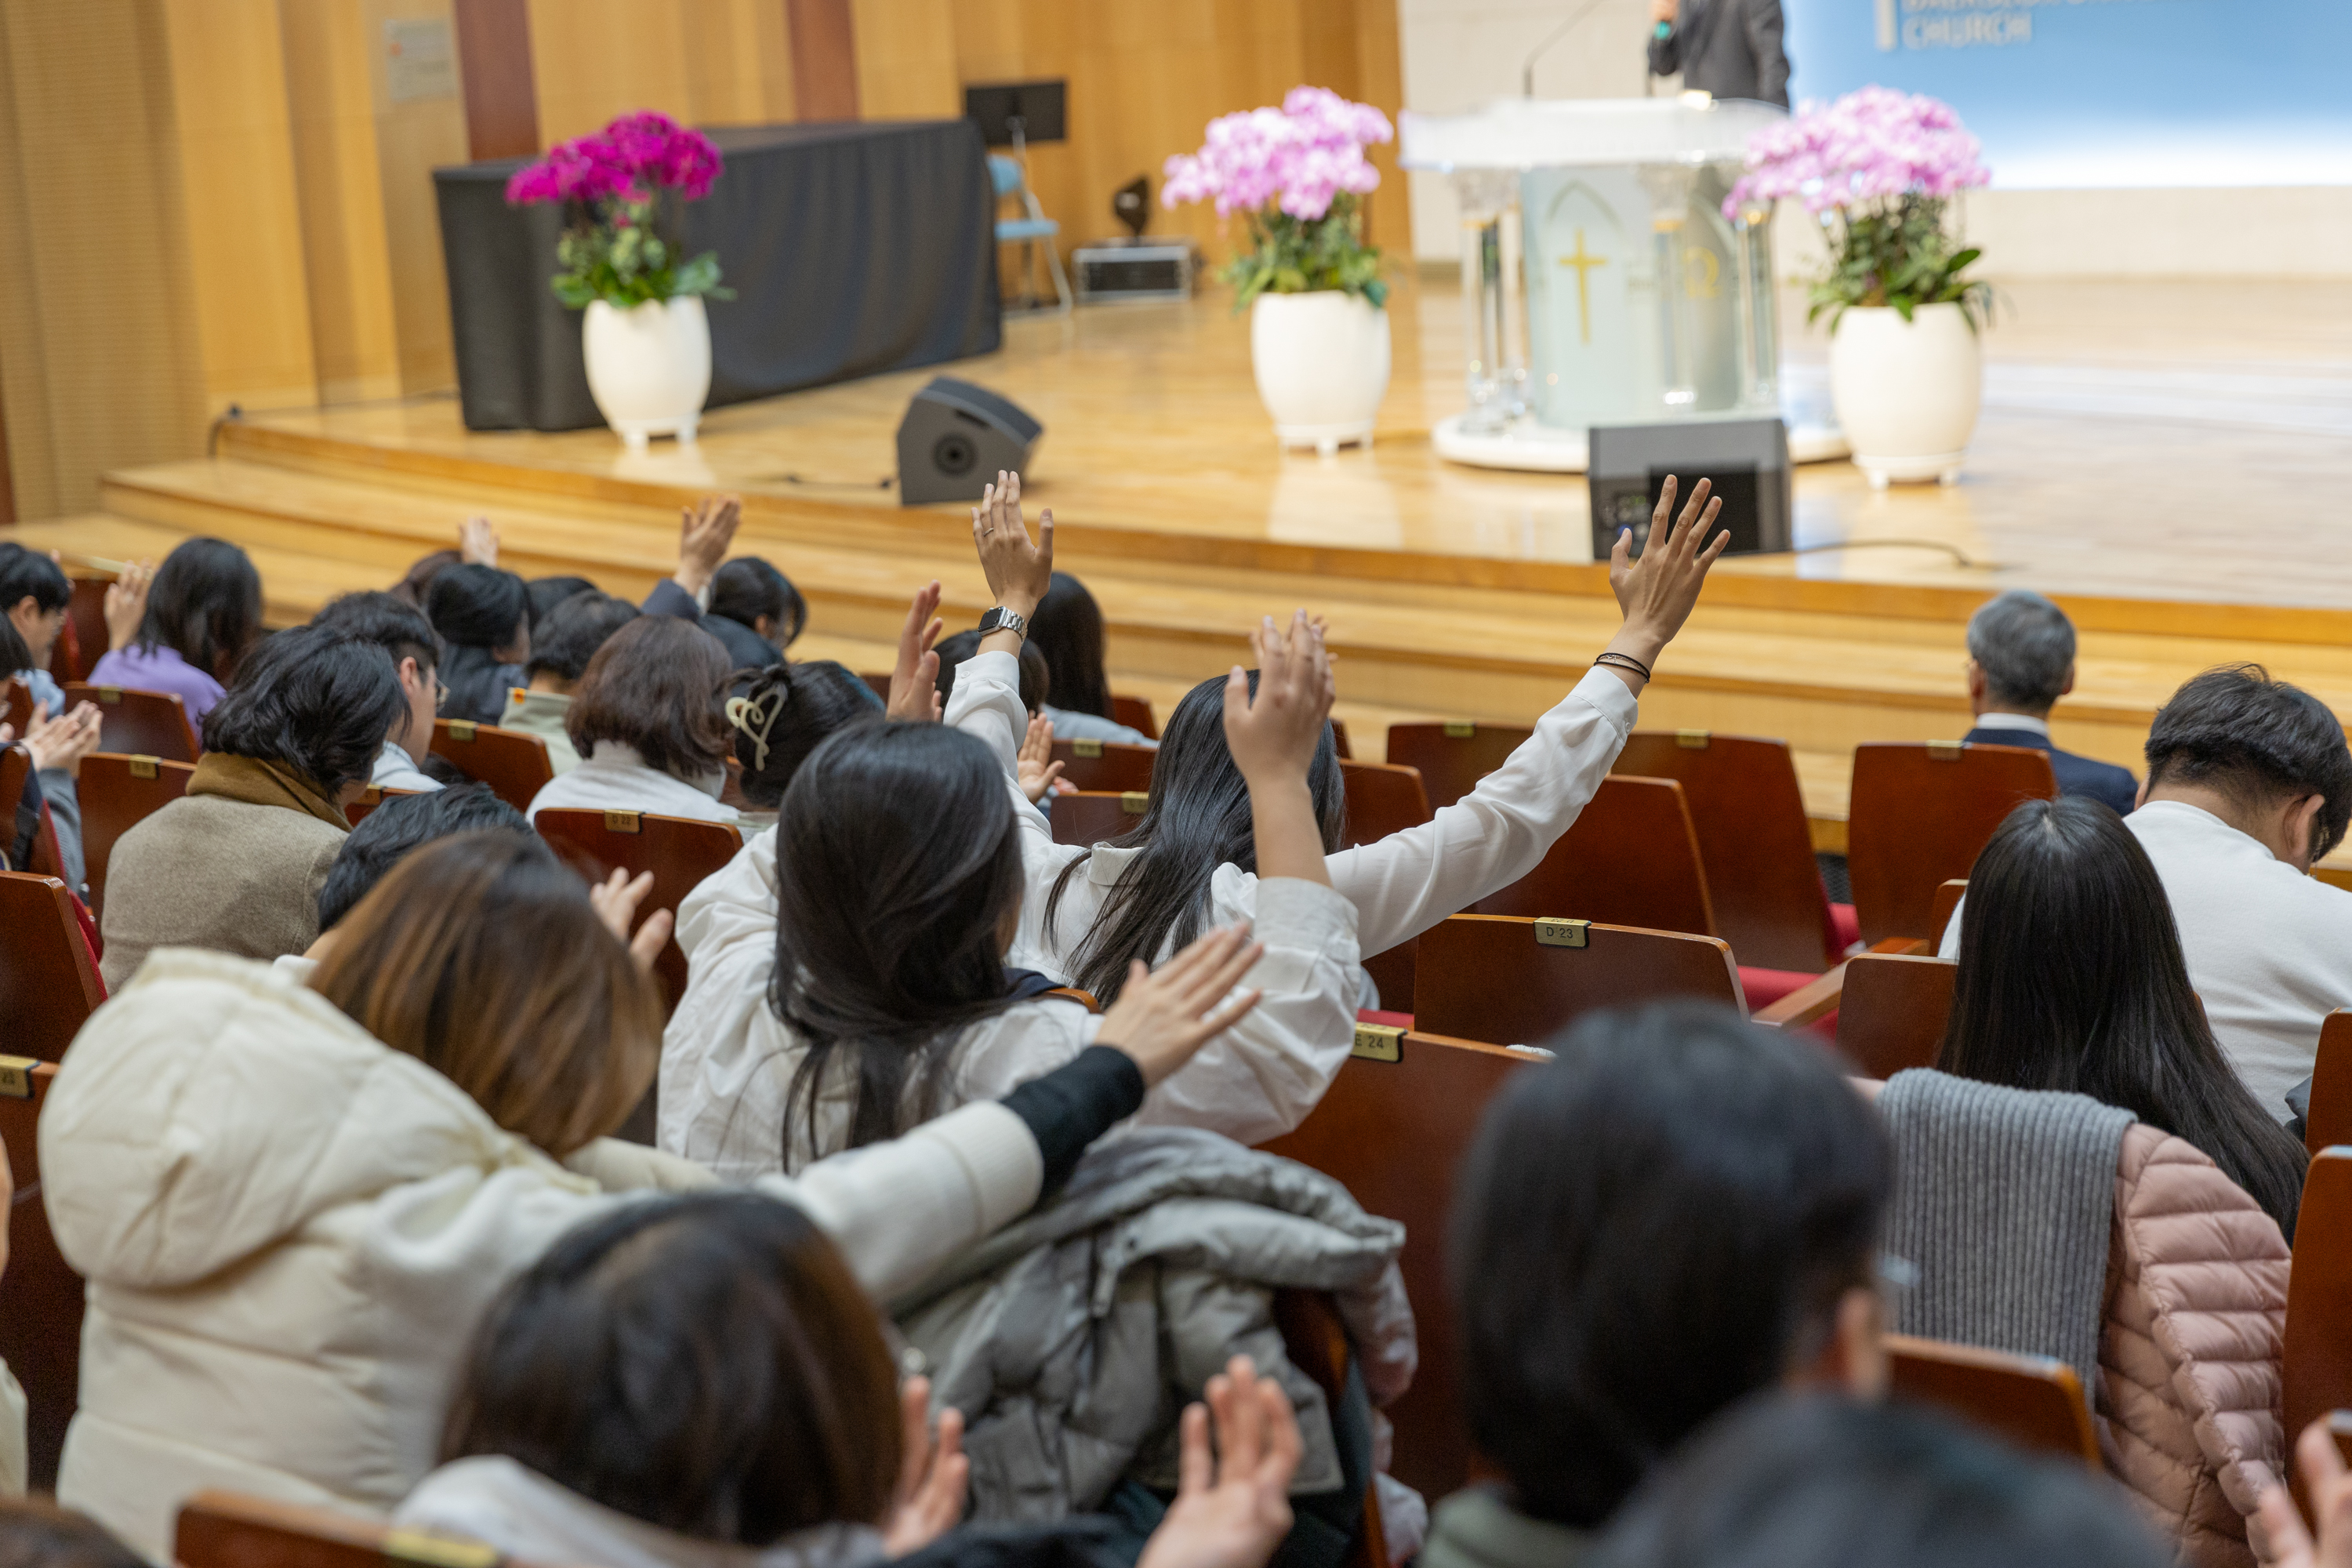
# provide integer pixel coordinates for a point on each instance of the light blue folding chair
(1027, 231)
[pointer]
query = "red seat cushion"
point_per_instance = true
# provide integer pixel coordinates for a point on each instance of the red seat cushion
(1845, 925)
(1387, 1020)
(1765, 986)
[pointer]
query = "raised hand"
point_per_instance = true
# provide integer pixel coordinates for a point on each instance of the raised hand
(1274, 734)
(1034, 764)
(126, 603)
(1019, 572)
(1232, 1512)
(2329, 1486)
(933, 1478)
(1164, 1016)
(62, 742)
(914, 680)
(615, 901)
(478, 543)
(1658, 591)
(706, 531)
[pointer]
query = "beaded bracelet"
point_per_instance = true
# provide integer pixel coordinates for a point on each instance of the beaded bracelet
(1623, 661)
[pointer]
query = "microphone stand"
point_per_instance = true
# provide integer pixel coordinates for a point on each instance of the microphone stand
(1527, 71)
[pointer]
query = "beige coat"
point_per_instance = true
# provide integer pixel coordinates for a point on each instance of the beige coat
(2188, 1398)
(208, 871)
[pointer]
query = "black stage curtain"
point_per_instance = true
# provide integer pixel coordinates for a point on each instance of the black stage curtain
(852, 247)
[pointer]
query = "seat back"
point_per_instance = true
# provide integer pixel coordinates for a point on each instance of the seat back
(1086, 817)
(48, 984)
(1631, 858)
(1919, 815)
(2317, 1371)
(1105, 766)
(2329, 1119)
(230, 1530)
(138, 723)
(2034, 1402)
(79, 654)
(1762, 881)
(1453, 757)
(16, 711)
(1892, 1012)
(679, 851)
(1514, 981)
(512, 763)
(117, 794)
(1135, 714)
(1315, 1337)
(1940, 913)
(1393, 1130)
(16, 767)
(40, 1296)
(1383, 798)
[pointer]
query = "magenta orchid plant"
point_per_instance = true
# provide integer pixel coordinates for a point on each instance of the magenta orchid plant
(1878, 169)
(1297, 174)
(611, 185)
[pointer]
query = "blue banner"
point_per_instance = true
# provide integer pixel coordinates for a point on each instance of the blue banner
(2090, 94)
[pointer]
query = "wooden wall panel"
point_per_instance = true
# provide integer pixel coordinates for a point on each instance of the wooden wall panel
(905, 59)
(739, 61)
(593, 59)
(494, 62)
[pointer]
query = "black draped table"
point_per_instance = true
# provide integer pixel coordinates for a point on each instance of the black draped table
(852, 247)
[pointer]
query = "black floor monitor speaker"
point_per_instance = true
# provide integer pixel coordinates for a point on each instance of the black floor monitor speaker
(1747, 460)
(954, 439)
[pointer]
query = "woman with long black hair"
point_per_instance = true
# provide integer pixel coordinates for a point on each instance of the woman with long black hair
(2071, 979)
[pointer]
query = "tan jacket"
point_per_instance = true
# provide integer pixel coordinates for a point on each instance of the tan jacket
(208, 871)
(2188, 1398)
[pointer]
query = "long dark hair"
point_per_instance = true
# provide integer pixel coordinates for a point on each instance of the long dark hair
(204, 604)
(898, 872)
(786, 713)
(2071, 978)
(747, 588)
(1198, 819)
(1068, 630)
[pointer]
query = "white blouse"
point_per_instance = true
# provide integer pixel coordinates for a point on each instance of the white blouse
(615, 778)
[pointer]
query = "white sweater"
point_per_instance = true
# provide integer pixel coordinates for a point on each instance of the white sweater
(2269, 949)
(615, 778)
(291, 1231)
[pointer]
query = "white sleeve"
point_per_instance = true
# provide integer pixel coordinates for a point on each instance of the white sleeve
(1950, 946)
(733, 905)
(1260, 1079)
(986, 703)
(1407, 882)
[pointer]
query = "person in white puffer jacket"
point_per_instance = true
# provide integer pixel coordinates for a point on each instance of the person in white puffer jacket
(292, 1203)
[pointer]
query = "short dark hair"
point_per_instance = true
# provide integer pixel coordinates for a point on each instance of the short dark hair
(2025, 646)
(31, 574)
(2257, 740)
(1068, 630)
(787, 711)
(1817, 1480)
(573, 630)
(315, 700)
(707, 1363)
(1653, 1224)
(747, 587)
(1036, 674)
(35, 1532)
(473, 606)
(387, 620)
(204, 604)
(547, 593)
(406, 822)
(412, 585)
(657, 685)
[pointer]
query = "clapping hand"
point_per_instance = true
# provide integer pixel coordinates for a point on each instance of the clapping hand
(1036, 768)
(1230, 1511)
(126, 603)
(915, 681)
(933, 1478)
(1019, 573)
(62, 742)
(615, 901)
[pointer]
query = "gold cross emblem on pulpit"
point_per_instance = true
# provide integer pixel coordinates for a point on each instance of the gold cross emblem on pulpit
(1584, 264)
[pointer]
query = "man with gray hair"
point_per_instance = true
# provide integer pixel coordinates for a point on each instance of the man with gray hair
(2021, 662)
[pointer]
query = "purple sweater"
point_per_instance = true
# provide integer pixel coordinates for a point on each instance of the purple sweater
(161, 668)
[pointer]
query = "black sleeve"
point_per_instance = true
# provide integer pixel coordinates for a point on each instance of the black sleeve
(1076, 1103)
(668, 599)
(1764, 29)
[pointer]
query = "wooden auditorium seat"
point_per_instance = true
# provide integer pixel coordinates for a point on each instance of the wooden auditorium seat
(16, 711)
(2034, 1402)
(877, 684)
(1940, 913)
(82, 640)
(40, 1294)
(1631, 858)
(1892, 1012)
(368, 799)
(16, 767)
(1135, 712)
(1514, 981)
(1383, 798)
(1919, 815)
(2329, 1120)
(135, 723)
(512, 763)
(117, 794)
(1762, 881)
(2317, 1370)
(230, 1530)
(1314, 1337)
(1086, 817)
(48, 980)
(1339, 740)
(680, 852)
(1393, 1130)
(1102, 767)
(1453, 757)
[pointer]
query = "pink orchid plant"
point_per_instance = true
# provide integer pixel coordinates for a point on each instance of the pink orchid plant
(1296, 174)
(1878, 169)
(611, 185)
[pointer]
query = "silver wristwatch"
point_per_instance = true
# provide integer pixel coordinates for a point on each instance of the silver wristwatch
(1001, 619)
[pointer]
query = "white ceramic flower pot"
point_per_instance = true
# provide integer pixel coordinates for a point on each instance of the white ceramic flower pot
(1907, 392)
(1322, 366)
(648, 366)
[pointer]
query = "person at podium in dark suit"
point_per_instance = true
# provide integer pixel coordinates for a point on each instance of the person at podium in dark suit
(2021, 662)
(1728, 47)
